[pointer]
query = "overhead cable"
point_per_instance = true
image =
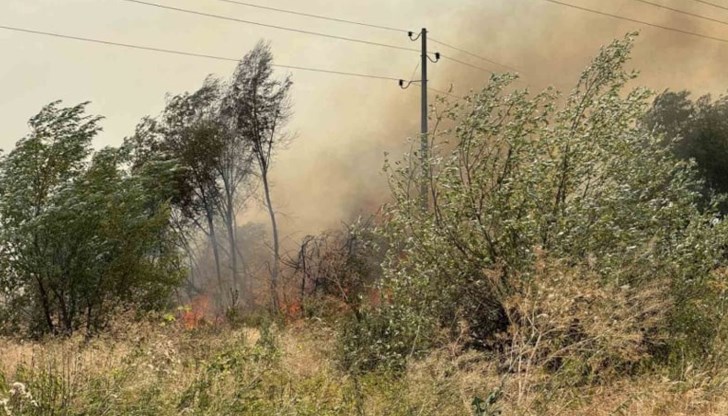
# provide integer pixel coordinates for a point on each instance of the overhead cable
(466, 64)
(359, 23)
(185, 53)
(672, 9)
(314, 16)
(712, 4)
(472, 54)
(642, 22)
(277, 27)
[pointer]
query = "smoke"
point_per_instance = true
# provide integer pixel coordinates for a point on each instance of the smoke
(332, 172)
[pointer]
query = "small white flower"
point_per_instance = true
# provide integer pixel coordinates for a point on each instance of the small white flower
(17, 389)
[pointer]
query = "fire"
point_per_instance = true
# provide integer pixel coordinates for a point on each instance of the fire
(196, 314)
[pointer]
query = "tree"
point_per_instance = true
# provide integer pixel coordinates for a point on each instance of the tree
(224, 137)
(695, 130)
(216, 167)
(81, 237)
(235, 170)
(189, 133)
(256, 106)
(52, 154)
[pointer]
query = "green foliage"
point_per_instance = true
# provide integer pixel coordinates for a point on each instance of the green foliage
(189, 134)
(80, 237)
(383, 338)
(489, 406)
(223, 137)
(695, 130)
(573, 177)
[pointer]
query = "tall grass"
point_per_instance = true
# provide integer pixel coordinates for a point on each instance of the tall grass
(152, 369)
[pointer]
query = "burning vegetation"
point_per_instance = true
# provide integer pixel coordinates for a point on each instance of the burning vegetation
(571, 260)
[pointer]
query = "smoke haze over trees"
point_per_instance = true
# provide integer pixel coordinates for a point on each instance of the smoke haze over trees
(126, 85)
(569, 248)
(86, 232)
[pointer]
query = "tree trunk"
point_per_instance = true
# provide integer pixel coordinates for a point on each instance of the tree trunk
(230, 222)
(215, 252)
(276, 248)
(45, 303)
(66, 319)
(246, 279)
(304, 274)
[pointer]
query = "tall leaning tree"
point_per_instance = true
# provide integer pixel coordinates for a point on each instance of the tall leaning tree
(257, 106)
(234, 171)
(193, 135)
(189, 132)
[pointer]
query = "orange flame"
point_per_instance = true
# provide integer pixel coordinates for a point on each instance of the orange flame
(196, 313)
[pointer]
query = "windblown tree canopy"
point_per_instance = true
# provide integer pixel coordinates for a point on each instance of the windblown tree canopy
(257, 108)
(84, 232)
(695, 130)
(224, 137)
(189, 134)
(80, 236)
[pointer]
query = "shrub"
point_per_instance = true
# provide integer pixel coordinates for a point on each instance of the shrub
(383, 338)
(567, 319)
(332, 275)
(573, 177)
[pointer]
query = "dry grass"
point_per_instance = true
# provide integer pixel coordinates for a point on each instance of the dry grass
(147, 369)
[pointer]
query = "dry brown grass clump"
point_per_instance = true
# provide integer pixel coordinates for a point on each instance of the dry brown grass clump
(152, 369)
(572, 321)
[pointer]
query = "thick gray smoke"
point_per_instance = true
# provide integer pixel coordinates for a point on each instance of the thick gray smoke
(332, 172)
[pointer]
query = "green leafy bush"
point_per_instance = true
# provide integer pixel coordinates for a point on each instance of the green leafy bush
(383, 338)
(575, 178)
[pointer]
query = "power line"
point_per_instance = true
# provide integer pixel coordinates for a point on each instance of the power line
(712, 4)
(412, 77)
(662, 6)
(315, 16)
(642, 22)
(339, 20)
(466, 64)
(233, 19)
(288, 29)
(472, 54)
(184, 53)
(518, 79)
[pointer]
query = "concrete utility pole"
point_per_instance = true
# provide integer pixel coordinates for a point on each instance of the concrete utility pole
(424, 132)
(424, 141)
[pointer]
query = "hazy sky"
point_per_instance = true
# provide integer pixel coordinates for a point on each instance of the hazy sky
(343, 125)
